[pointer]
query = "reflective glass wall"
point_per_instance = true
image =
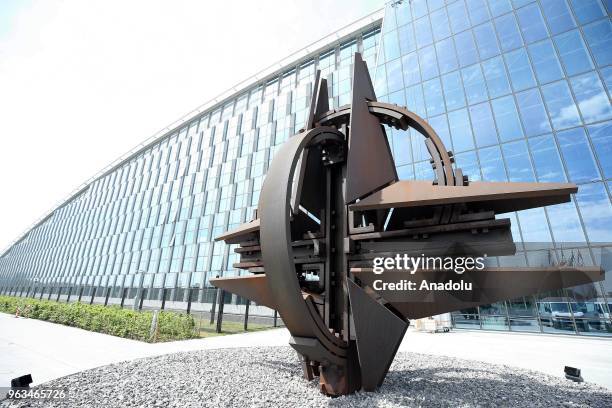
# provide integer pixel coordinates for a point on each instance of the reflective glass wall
(519, 91)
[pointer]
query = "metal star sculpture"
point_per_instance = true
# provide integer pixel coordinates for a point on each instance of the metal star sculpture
(331, 202)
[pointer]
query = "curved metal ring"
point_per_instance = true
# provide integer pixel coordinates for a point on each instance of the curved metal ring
(275, 238)
(400, 118)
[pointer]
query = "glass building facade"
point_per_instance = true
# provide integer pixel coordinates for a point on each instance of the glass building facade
(518, 90)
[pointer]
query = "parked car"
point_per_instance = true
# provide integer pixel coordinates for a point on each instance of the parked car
(598, 315)
(557, 314)
(602, 310)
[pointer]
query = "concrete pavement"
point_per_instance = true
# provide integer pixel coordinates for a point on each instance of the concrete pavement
(541, 352)
(49, 351)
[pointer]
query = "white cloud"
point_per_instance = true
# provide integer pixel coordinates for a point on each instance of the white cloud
(596, 108)
(83, 82)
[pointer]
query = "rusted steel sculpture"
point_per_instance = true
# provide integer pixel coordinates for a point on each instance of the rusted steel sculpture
(332, 201)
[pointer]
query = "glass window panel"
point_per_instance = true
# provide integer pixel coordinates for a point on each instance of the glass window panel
(499, 7)
(565, 223)
(461, 131)
(558, 15)
(520, 70)
(433, 97)
(492, 164)
(422, 30)
(506, 117)
(479, 13)
(391, 46)
(402, 153)
(577, 156)
(533, 114)
(546, 159)
(483, 125)
(545, 62)
(573, 53)
(517, 161)
(474, 84)
(453, 91)
(592, 98)
(598, 36)
(394, 76)
(495, 74)
(403, 13)
(594, 203)
(447, 58)
(423, 171)
(440, 124)
(587, 10)
(419, 150)
(601, 137)
(457, 14)
(486, 40)
(406, 39)
(534, 226)
(439, 20)
(607, 76)
(306, 70)
(390, 19)
(271, 88)
(380, 86)
(412, 73)
(419, 8)
(507, 30)
(427, 60)
(405, 172)
(561, 107)
(468, 163)
(466, 49)
(396, 98)
(415, 101)
(532, 23)
(347, 50)
(435, 4)
(520, 3)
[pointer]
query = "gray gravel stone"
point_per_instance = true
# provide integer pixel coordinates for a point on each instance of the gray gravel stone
(272, 377)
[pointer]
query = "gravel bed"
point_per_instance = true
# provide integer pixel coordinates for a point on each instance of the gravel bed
(272, 377)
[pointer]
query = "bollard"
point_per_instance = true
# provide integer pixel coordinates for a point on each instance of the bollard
(108, 290)
(154, 325)
(213, 306)
(246, 314)
(163, 294)
(220, 313)
(123, 297)
(189, 294)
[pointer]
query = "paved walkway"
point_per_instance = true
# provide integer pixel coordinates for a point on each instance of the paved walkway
(49, 351)
(540, 352)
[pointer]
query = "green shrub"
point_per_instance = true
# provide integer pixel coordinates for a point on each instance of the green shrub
(172, 325)
(104, 319)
